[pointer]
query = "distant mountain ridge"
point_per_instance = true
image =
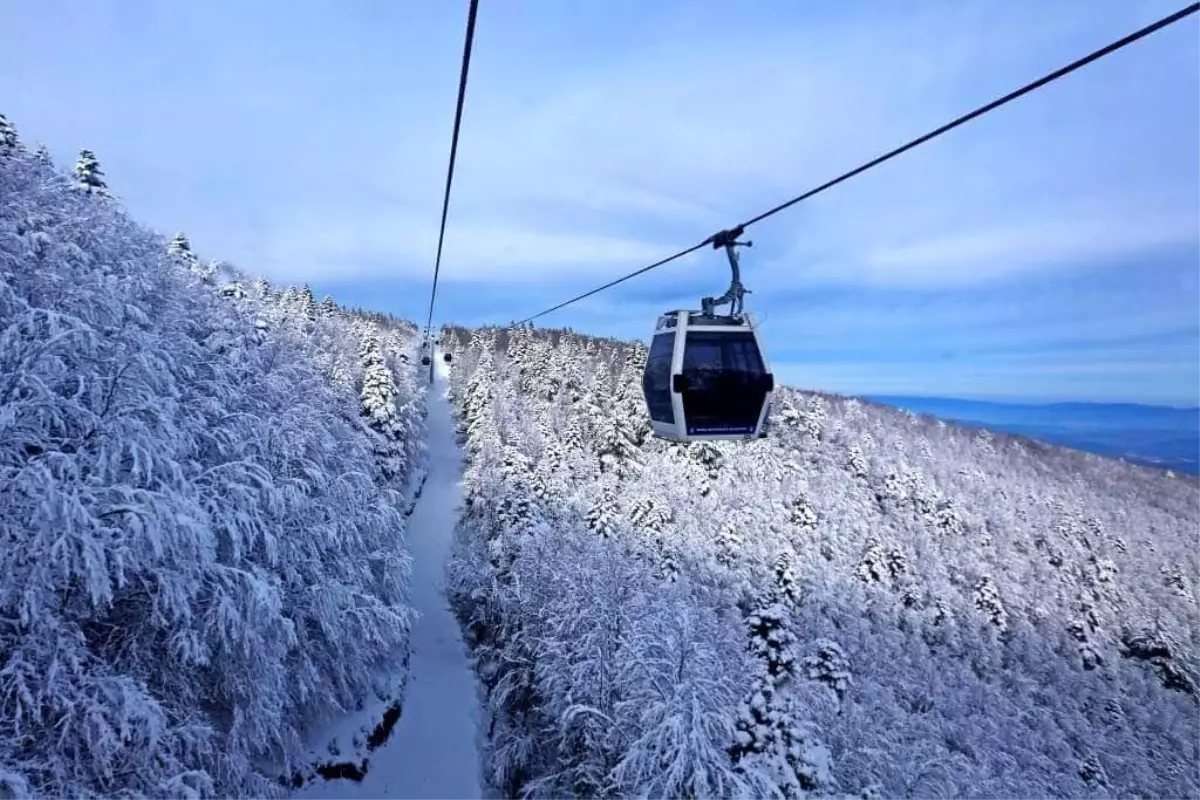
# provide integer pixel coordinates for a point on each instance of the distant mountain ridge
(1159, 436)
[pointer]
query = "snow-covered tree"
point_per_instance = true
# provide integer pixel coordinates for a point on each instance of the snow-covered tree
(1019, 582)
(197, 558)
(378, 396)
(770, 735)
(1092, 772)
(729, 544)
(88, 175)
(9, 142)
(987, 600)
(308, 303)
(179, 247)
(786, 582)
(603, 516)
(803, 514)
(828, 666)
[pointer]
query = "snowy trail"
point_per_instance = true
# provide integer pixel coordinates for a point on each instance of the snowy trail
(433, 751)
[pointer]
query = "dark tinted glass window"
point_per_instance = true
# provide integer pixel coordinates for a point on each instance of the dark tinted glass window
(736, 352)
(656, 380)
(726, 389)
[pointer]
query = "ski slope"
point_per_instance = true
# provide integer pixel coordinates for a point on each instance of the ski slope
(433, 750)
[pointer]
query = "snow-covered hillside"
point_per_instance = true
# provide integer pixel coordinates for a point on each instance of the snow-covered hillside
(205, 570)
(868, 602)
(202, 512)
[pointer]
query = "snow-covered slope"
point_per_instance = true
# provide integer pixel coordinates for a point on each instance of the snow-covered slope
(201, 523)
(204, 569)
(868, 602)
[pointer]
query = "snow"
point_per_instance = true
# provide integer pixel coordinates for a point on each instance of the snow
(206, 539)
(434, 750)
(200, 553)
(865, 604)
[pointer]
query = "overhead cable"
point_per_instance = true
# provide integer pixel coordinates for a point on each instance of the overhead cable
(1061, 72)
(458, 112)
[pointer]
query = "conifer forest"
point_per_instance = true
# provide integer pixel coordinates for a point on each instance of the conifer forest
(215, 491)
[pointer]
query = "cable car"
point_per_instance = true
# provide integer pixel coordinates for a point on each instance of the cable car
(706, 376)
(425, 349)
(446, 357)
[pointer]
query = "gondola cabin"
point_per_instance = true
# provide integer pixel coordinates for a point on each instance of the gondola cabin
(446, 357)
(707, 378)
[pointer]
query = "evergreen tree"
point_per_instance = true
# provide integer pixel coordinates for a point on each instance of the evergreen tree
(1092, 772)
(574, 438)
(614, 444)
(630, 404)
(650, 515)
(179, 249)
(785, 581)
(88, 175)
(802, 513)
(829, 667)
(603, 516)
(729, 544)
(233, 290)
(9, 142)
(378, 398)
(668, 567)
(768, 731)
(308, 303)
(987, 600)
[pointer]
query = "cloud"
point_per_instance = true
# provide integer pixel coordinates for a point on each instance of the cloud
(591, 148)
(714, 134)
(626, 152)
(661, 143)
(914, 247)
(1087, 310)
(402, 247)
(1034, 244)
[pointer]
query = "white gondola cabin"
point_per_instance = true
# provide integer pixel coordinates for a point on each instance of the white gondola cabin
(706, 375)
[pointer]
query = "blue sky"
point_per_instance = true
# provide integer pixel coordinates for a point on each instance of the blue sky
(1048, 251)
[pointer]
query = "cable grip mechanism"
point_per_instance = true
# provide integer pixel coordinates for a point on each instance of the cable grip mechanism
(736, 292)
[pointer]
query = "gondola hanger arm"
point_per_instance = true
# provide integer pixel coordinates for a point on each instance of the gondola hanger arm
(735, 294)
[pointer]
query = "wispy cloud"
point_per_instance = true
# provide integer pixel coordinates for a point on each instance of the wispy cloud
(311, 145)
(655, 146)
(1003, 250)
(400, 247)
